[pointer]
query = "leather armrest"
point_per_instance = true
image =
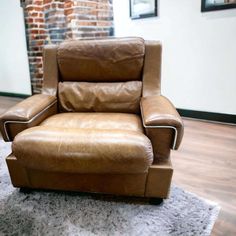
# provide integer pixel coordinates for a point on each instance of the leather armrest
(27, 113)
(159, 112)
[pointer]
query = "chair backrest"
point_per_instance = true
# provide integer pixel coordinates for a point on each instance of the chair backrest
(103, 75)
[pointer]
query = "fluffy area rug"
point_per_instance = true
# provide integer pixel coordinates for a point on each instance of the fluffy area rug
(63, 213)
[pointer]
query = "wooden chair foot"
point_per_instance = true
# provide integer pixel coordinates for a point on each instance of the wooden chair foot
(156, 201)
(25, 190)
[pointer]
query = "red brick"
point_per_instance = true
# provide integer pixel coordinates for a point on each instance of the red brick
(47, 7)
(32, 26)
(41, 26)
(34, 8)
(68, 12)
(39, 76)
(42, 31)
(40, 43)
(38, 2)
(34, 14)
(33, 31)
(40, 20)
(61, 6)
(47, 1)
(68, 4)
(29, 20)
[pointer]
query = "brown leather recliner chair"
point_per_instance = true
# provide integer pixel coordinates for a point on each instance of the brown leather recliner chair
(100, 124)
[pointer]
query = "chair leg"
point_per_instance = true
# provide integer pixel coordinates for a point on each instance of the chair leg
(156, 201)
(25, 190)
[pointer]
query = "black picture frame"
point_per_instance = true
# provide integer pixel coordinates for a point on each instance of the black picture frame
(227, 4)
(152, 12)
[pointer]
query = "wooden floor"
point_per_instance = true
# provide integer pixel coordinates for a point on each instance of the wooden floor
(6, 102)
(204, 165)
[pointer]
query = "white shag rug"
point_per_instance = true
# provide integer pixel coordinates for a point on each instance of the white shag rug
(64, 213)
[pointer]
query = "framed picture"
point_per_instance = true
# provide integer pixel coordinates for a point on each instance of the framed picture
(143, 8)
(212, 5)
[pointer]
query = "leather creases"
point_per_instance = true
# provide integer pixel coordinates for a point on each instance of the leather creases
(83, 150)
(100, 97)
(104, 60)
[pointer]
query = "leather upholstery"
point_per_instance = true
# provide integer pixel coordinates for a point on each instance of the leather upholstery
(119, 184)
(152, 69)
(50, 70)
(83, 150)
(159, 111)
(28, 108)
(97, 140)
(161, 171)
(100, 97)
(162, 141)
(95, 120)
(26, 114)
(106, 60)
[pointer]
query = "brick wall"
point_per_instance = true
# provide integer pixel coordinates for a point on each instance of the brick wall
(52, 21)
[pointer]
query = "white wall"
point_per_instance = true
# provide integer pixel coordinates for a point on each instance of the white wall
(14, 69)
(199, 52)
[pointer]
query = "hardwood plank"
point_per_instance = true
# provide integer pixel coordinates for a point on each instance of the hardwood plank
(206, 166)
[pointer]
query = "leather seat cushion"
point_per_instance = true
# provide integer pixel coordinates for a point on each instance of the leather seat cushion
(83, 150)
(95, 120)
